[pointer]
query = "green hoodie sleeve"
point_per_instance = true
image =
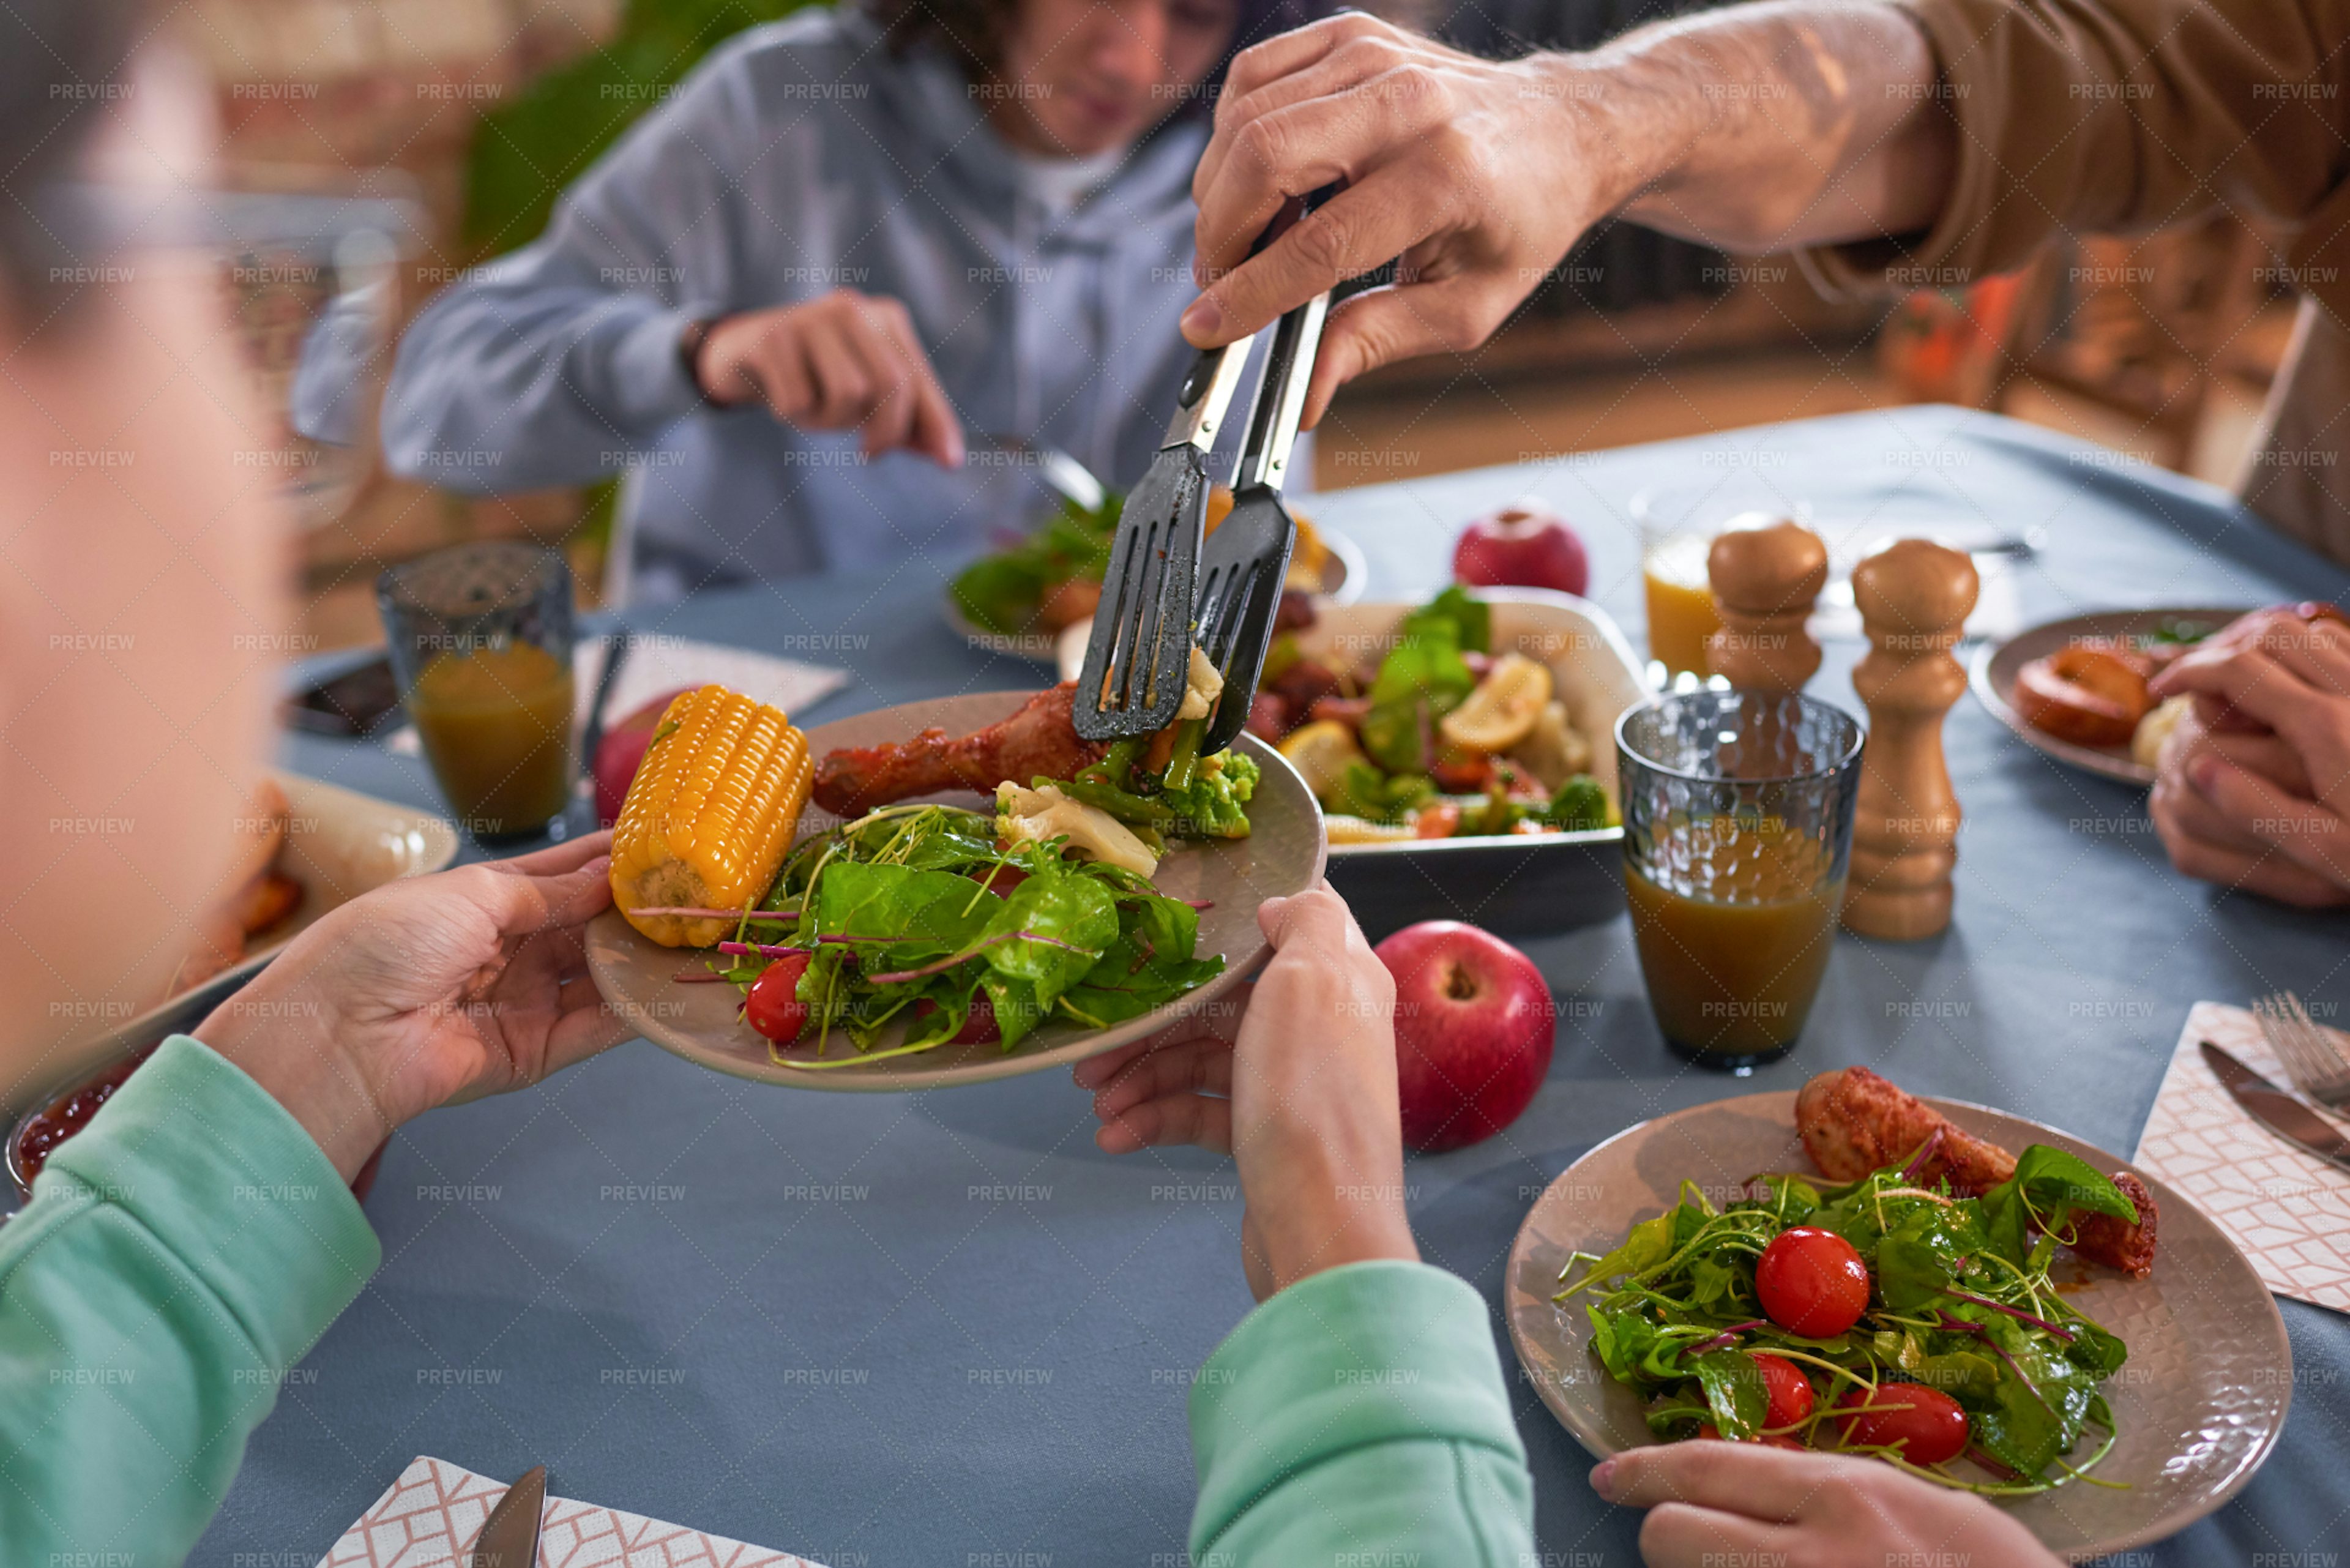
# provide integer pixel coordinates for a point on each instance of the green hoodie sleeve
(1361, 1415)
(178, 1256)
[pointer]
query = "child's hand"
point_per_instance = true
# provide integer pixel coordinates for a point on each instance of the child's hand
(1300, 1088)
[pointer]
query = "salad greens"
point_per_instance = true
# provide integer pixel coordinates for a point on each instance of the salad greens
(913, 915)
(1423, 678)
(1001, 592)
(1961, 1302)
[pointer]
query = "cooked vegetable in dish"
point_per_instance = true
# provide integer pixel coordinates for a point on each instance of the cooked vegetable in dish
(1441, 739)
(1884, 1316)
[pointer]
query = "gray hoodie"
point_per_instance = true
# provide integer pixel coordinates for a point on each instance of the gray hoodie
(801, 157)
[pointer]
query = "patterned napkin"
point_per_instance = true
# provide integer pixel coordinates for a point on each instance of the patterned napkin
(432, 1512)
(2288, 1211)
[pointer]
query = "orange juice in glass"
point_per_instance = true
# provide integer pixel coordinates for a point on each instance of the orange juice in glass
(481, 639)
(1737, 835)
(1678, 524)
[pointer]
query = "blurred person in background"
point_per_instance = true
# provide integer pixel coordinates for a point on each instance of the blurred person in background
(795, 303)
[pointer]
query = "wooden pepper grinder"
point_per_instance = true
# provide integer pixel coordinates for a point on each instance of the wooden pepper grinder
(1914, 598)
(1764, 580)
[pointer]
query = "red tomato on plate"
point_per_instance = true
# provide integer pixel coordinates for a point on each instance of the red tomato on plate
(1812, 1282)
(1790, 1390)
(1927, 1423)
(774, 1008)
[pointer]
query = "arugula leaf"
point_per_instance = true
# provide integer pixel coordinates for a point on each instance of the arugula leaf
(1076, 916)
(1151, 962)
(2048, 1185)
(1919, 1256)
(929, 913)
(1734, 1391)
(1650, 1243)
(1422, 679)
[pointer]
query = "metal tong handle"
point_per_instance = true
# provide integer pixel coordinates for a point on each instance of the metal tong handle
(1206, 394)
(1281, 396)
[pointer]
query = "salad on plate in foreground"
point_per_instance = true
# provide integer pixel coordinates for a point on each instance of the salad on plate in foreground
(916, 923)
(1906, 1312)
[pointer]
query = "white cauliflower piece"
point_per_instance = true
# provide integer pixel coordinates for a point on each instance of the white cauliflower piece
(1202, 684)
(1035, 816)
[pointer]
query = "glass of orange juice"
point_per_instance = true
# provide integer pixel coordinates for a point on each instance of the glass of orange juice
(481, 639)
(1737, 830)
(1678, 526)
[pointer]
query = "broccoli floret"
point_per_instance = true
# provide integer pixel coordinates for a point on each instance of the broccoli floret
(1580, 805)
(1214, 805)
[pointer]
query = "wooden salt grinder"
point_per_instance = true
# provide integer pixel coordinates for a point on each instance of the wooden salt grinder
(1764, 581)
(1914, 598)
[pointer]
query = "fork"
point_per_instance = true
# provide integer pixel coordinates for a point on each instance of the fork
(2313, 1059)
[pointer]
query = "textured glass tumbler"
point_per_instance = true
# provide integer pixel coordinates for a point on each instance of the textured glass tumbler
(481, 639)
(1737, 828)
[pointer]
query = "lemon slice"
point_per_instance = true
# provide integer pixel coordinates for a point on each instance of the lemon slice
(1321, 753)
(1502, 710)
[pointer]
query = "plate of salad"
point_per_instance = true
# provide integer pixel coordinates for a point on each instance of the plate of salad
(1020, 598)
(958, 938)
(1696, 1276)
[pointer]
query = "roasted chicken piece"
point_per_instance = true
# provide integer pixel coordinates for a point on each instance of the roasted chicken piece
(1854, 1122)
(1036, 741)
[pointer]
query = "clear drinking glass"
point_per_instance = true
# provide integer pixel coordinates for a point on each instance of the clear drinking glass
(1737, 829)
(481, 639)
(1679, 523)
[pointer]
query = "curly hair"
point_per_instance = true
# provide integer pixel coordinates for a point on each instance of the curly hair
(974, 32)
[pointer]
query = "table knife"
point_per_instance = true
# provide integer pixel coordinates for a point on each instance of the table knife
(509, 1537)
(2277, 1109)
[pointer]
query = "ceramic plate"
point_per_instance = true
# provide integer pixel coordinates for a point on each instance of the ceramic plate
(1281, 856)
(1992, 676)
(1342, 583)
(2200, 1401)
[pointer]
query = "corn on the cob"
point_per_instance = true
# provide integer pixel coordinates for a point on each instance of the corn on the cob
(710, 813)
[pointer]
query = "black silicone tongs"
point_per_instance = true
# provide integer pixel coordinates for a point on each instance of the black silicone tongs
(1245, 561)
(1138, 658)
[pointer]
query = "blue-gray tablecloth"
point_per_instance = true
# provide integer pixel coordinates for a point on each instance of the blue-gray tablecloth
(942, 1329)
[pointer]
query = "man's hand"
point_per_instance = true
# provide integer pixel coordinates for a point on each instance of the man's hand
(845, 361)
(1469, 171)
(1758, 127)
(2252, 789)
(1300, 1089)
(1746, 1502)
(426, 991)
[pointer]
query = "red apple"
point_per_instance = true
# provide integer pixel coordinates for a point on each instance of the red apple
(620, 752)
(1519, 546)
(1474, 1028)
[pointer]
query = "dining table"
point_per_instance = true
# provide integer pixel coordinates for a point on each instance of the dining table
(943, 1330)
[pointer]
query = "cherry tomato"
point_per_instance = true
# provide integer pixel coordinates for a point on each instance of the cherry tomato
(1438, 821)
(1812, 1282)
(1927, 1423)
(1463, 773)
(1790, 1390)
(774, 1008)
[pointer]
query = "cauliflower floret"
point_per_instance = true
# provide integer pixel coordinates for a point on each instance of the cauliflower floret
(1033, 815)
(1202, 684)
